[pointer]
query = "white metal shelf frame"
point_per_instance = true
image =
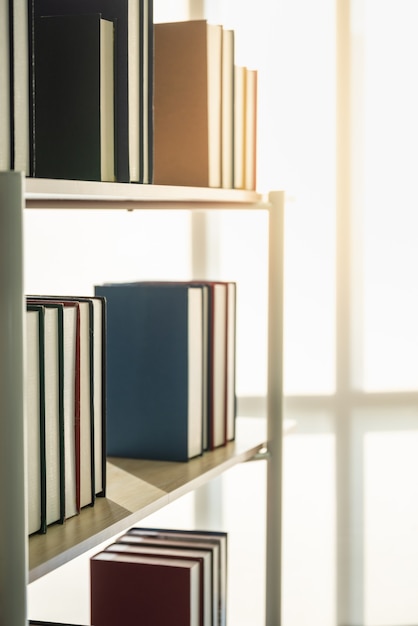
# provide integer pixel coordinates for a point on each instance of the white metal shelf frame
(17, 193)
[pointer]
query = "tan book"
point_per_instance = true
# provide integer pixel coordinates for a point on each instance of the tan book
(250, 164)
(187, 104)
(239, 125)
(228, 57)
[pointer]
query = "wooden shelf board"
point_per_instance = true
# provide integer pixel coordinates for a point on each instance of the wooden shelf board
(135, 489)
(46, 193)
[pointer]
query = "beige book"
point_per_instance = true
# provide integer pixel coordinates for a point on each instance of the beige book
(187, 104)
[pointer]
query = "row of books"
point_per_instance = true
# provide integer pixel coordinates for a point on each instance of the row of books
(139, 370)
(94, 90)
(170, 368)
(205, 108)
(77, 74)
(160, 577)
(65, 406)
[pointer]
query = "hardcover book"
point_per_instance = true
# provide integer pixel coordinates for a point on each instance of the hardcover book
(70, 399)
(228, 59)
(203, 557)
(131, 589)
(187, 104)
(154, 370)
(218, 302)
(74, 98)
(133, 76)
(35, 419)
(250, 165)
(91, 395)
(54, 410)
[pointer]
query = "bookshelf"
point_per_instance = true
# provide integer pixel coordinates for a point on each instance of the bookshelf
(135, 488)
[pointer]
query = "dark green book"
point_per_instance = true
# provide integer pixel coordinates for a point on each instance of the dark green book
(35, 418)
(54, 409)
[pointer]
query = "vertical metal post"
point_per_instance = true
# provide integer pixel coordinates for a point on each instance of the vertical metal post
(274, 411)
(13, 535)
(348, 457)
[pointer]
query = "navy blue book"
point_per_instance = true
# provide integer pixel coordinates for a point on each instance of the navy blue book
(154, 370)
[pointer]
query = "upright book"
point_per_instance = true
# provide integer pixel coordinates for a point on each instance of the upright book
(203, 557)
(187, 104)
(69, 398)
(91, 395)
(231, 340)
(239, 125)
(147, 93)
(74, 98)
(35, 419)
(133, 589)
(250, 165)
(184, 548)
(133, 76)
(154, 370)
(54, 411)
(218, 311)
(228, 64)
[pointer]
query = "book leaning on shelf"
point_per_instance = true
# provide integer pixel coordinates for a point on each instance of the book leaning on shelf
(66, 412)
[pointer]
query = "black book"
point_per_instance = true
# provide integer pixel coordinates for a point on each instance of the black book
(74, 112)
(130, 53)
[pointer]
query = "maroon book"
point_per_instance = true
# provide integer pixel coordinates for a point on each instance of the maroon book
(131, 589)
